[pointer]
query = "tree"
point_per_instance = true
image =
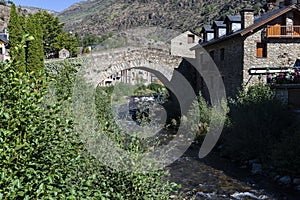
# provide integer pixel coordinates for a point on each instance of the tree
(51, 29)
(34, 48)
(54, 38)
(16, 32)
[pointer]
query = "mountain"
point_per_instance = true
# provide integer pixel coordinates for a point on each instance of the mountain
(25, 10)
(103, 16)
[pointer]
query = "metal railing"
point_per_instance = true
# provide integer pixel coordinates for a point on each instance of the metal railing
(279, 31)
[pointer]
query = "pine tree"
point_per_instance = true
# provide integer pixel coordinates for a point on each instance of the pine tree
(16, 32)
(34, 48)
(51, 28)
(54, 38)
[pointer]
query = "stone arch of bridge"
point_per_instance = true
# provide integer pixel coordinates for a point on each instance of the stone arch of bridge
(156, 61)
(158, 69)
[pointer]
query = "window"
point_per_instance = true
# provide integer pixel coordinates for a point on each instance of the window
(1, 52)
(221, 32)
(222, 54)
(191, 38)
(261, 50)
(212, 54)
(210, 36)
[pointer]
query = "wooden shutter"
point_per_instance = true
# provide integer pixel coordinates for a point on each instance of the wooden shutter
(259, 50)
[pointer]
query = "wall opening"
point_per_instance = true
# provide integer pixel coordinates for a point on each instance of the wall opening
(191, 38)
(261, 50)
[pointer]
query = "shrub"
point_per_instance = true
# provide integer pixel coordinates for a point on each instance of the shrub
(40, 156)
(202, 115)
(257, 121)
(285, 155)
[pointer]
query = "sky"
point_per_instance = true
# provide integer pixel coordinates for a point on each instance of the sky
(56, 5)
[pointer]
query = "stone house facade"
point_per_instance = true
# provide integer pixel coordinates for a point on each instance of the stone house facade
(63, 54)
(181, 44)
(270, 40)
(4, 55)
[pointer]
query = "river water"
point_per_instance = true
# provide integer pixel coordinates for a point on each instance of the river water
(215, 178)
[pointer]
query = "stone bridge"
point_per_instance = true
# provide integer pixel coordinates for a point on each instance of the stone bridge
(103, 64)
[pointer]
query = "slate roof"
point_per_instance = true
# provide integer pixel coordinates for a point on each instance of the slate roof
(258, 23)
(3, 39)
(234, 18)
(219, 24)
(207, 28)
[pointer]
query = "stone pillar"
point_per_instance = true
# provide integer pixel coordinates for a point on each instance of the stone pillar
(247, 15)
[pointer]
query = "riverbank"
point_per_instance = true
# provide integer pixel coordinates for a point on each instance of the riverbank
(217, 178)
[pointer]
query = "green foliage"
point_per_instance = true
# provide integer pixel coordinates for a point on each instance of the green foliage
(91, 40)
(87, 40)
(63, 72)
(202, 115)
(285, 153)
(34, 48)
(16, 32)
(115, 184)
(41, 158)
(156, 87)
(54, 38)
(129, 184)
(257, 122)
(26, 43)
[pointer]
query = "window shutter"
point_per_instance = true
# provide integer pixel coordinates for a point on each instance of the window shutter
(259, 52)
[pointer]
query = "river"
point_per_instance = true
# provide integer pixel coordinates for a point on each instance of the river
(214, 178)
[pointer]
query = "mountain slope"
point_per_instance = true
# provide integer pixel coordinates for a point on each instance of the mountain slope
(24, 10)
(104, 16)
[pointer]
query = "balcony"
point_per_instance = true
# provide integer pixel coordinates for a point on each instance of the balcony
(279, 31)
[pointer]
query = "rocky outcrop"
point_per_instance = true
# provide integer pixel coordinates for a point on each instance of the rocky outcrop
(5, 12)
(104, 16)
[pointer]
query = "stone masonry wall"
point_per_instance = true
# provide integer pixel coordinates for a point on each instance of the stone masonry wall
(231, 68)
(181, 47)
(280, 52)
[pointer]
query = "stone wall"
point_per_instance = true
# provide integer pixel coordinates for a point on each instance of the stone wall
(280, 52)
(231, 67)
(181, 47)
(104, 64)
(288, 94)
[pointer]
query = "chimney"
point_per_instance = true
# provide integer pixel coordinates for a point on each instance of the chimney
(247, 15)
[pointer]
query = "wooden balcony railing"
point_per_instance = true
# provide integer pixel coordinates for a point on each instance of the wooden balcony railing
(279, 31)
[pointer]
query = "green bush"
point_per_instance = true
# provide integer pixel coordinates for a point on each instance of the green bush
(133, 184)
(202, 115)
(285, 155)
(257, 121)
(40, 156)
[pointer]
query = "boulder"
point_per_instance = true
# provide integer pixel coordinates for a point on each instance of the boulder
(256, 168)
(285, 180)
(296, 181)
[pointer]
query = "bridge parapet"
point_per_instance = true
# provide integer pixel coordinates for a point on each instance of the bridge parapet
(103, 64)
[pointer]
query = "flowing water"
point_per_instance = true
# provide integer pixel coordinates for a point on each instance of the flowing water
(215, 178)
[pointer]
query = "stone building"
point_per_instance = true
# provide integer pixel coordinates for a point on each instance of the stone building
(3, 49)
(63, 54)
(181, 44)
(247, 42)
(130, 76)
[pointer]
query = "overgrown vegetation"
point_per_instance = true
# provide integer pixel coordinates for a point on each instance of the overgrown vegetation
(43, 156)
(262, 128)
(48, 34)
